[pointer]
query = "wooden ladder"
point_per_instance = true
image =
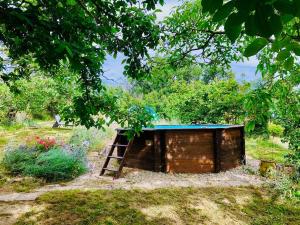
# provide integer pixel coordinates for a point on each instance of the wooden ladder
(117, 172)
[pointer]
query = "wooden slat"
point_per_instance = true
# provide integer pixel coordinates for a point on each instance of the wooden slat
(115, 157)
(123, 160)
(188, 168)
(140, 164)
(193, 162)
(118, 145)
(231, 152)
(189, 156)
(110, 169)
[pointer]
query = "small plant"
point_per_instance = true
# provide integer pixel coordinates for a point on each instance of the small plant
(275, 130)
(45, 143)
(284, 184)
(55, 165)
(42, 144)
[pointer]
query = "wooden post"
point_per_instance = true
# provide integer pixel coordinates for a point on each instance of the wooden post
(157, 151)
(217, 135)
(243, 154)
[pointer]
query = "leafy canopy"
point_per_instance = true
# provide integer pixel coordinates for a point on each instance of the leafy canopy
(81, 33)
(275, 22)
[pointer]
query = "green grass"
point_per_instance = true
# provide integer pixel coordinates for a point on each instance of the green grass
(266, 149)
(26, 184)
(164, 206)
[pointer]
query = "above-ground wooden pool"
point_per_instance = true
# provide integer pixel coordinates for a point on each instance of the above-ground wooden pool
(186, 148)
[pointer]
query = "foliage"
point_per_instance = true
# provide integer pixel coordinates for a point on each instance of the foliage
(265, 149)
(46, 160)
(6, 104)
(217, 102)
(274, 22)
(275, 130)
(283, 184)
(190, 38)
(38, 96)
(183, 95)
(294, 159)
(257, 105)
(16, 160)
(81, 34)
(56, 164)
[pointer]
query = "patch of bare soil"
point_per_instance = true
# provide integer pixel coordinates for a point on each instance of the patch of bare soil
(163, 212)
(9, 212)
(214, 214)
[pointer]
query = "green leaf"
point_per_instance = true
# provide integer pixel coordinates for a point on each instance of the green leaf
(233, 26)
(71, 2)
(223, 12)
(254, 47)
(246, 5)
(288, 64)
(69, 51)
(250, 126)
(211, 5)
(275, 24)
(296, 4)
(284, 6)
(282, 55)
(296, 48)
(250, 26)
(262, 22)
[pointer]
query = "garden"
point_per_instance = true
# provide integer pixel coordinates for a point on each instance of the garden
(100, 65)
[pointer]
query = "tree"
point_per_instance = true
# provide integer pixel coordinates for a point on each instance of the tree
(190, 37)
(80, 32)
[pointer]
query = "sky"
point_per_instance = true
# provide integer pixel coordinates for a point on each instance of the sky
(113, 69)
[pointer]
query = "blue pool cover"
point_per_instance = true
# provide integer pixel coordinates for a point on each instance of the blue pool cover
(191, 126)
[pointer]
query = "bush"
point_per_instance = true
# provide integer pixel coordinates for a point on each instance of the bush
(16, 160)
(275, 130)
(55, 165)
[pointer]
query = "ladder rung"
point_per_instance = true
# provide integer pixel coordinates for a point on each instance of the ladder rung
(115, 157)
(118, 145)
(112, 170)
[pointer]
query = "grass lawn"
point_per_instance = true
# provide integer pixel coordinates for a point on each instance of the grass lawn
(259, 148)
(164, 206)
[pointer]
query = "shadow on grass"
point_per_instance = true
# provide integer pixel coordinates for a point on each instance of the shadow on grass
(164, 206)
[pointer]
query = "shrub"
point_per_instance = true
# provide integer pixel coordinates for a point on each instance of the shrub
(275, 130)
(15, 160)
(55, 165)
(47, 160)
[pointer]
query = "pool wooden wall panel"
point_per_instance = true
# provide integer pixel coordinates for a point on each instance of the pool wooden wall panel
(189, 151)
(231, 149)
(141, 154)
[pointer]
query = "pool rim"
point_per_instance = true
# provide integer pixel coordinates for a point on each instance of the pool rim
(227, 126)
